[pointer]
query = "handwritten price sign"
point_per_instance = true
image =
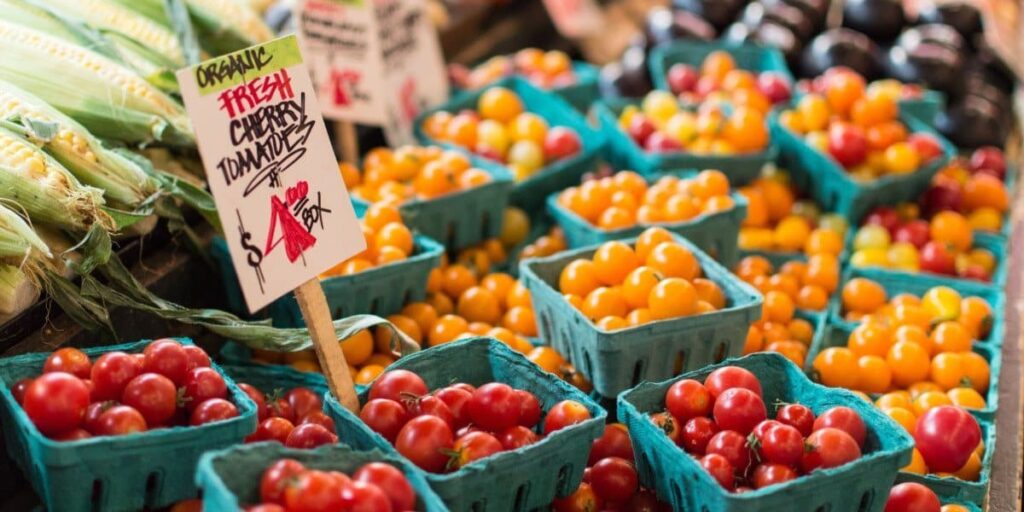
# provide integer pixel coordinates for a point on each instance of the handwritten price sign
(284, 207)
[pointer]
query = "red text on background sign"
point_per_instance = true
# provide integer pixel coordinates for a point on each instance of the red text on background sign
(249, 95)
(343, 83)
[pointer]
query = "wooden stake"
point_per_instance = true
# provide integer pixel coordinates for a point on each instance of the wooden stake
(348, 143)
(313, 304)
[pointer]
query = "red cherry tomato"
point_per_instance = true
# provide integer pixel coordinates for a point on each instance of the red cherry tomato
(797, 416)
(93, 412)
(202, 384)
(303, 401)
(280, 408)
(614, 479)
(68, 360)
(912, 497)
(277, 477)
(319, 418)
(310, 435)
(564, 414)
(153, 395)
(494, 407)
(733, 446)
(781, 444)
(771, 474)
(111, 373)
(18, 389)
(258, 398)
(119, 420)
(425, 441)
(385, 417)
(197, 357)
(614, 442)
(56, 402)
(429, 405)
(583, 499)
(397, 385)
(561, 142)
(271, 429)
(668, 425)
(529, 408)
(214, 409)
(168, 358)
(364, 497)
(946, 436)
(828, 448)
(474, 446)
(72, 435)
(719, 469)
(847, 143)
(739, 409)
(731, 377)
(697, 433)
(313, 491)
(517, 437)
(844, 419)
(390, 480)
(456, 399)
(688, 399)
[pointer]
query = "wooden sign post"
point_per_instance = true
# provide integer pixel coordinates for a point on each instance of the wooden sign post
(284, 207)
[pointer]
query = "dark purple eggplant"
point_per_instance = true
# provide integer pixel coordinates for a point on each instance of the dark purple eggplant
(664, 26)
(815, 10)
(972, 123)
(840, 47)
(788, 16)
(881, 20)
(933, 65)
(629, 77)
(936, 34)
(963, 17)
(719, 13)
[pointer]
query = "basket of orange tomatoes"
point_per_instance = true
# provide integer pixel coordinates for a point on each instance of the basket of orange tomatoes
(746, 72)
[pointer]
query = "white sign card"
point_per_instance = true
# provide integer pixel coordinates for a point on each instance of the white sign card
(284, 207)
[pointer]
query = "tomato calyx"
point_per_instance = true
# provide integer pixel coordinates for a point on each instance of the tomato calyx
(181, 399)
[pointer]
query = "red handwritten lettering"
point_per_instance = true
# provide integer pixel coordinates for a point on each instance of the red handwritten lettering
(297, 239)
(342, 81)
(296, 193)
(237, 100)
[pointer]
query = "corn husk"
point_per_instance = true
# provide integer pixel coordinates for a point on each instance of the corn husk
(222, 26)
(112, 16)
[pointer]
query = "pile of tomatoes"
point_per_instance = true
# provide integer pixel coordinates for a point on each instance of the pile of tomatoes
(625, 200)
(168, 384)
(662, 125)
(388, 240)
(778, 221)
(448, 428)
(914, 497)
(411, 172)
(545, 69)
(724, 424)
(656, 279)
(289, 486)
(944, 245)
(295, 420)
(974, 187)
(719, 76)
(858, 127)
(502, 130)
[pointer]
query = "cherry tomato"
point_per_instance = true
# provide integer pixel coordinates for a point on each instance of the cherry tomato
(731, 377)
(153, 395)
(303, 401)
(429, 405)
(397, 385)
(494, 407)
(168, 358)
(309, 435)
(318, 418)
(669, 426)
(56, 402)
(456, 399)
(739, 409)
(271, 429)
(771, 474)
(697, 433)
(197, 357)
(844, 419)
(564, 414)
(797, 416)
(474, 446)
(847, 143)
(390, 480)
(719, 469)
(645, 501)
(614, 442)
(214, 409)
(733, 446)
(912, 497)
(529, 408)
(828, 448)
(111, 373)
(781, 444)
(583, 499)
(313, 491)
(202, 384)
(258, 398)
(68, 360)
(76, 434)
(385, 417)
(424, 441)
(277, 477)
(19, 388)
(614, 479)
(280, 408)
(946, 436)
(93, 412)
(119, 420)
(688, 399)
(517, 437)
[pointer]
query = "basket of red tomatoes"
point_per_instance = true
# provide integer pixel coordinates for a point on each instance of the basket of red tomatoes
(271, 477)
(489, 430)
(91, 428)
(755, 434)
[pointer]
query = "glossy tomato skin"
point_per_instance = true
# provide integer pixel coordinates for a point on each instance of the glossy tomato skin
(424, 441)
(319, 418)
(56, 402)
(197, 357)
(361, 496)
(93, 412)
(733, 446)
(564, 414)
(782, 445)
(731, 377)
(614, 479)
(937, 258)
(309, 435)
(517, 437)
(214, 409)
(18, 390)
(719, 469)
(669, 426)
(687, 399)
(475, 446)
(168, 358)
(276, 478)
(72, 435)
(258, 398)
(390, 480)
(771, 474)
(153, 395)
(946, 436)
(202, 384)
(847, 144)
(739, 409)
(111, 373)
(68, 360)
(828, 448)
(385, 417)
(797, 416)
(494, 407)
(313, 491)
(303, 401)
(844, 419)
(583, 499)
(429, 405)
(282, 409)
(397, 385)
(529, 408)
(119, 420)
(456, 399)
(912, 497)
(614, 442)
(697, 433)
(271, 429)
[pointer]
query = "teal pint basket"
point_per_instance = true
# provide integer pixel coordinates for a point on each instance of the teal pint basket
(832, 187)
(926, 108)
(116, 473)
(230, 479)
(618, 360)
(529, 194)
(516, 480)
(741, 169)
(955, 490)
(861, 485)
(747, 56)
(580, 94)
(269, 378)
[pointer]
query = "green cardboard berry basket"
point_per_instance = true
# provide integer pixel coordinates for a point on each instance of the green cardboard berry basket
(955, 490)
(617, 360)
(115, 473)
(517, 480)
(861, 485)
(747, 56)
(529, 194)
(230, 479)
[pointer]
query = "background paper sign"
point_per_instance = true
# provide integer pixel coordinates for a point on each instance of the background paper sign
(284, 207)
(575, 18)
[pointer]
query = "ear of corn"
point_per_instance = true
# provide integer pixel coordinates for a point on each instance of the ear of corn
(18, 241)
(222, 26)
(107, 98)
(109, 15)
(17, 291)
(235, 15)
(44, 189)
(123, 182)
